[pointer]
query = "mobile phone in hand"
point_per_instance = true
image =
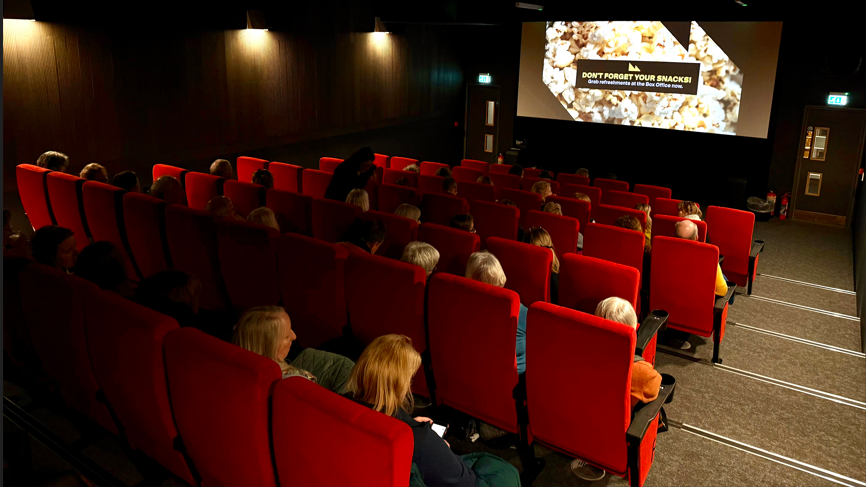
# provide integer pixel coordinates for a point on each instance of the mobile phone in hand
(439, 429)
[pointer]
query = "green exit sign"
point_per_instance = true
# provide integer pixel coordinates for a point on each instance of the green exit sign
(484, 78)
(837, 99)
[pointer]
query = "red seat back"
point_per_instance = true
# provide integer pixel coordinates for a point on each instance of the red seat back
(495, 220)
(392, 175)
(399, 163)
(531, 172)
(610, 185)
(125, 344)
(476, 192)
(563, 230)
(380, 160)
(614, 244)
(499, 168)
(332, 219)
(665, 226)
(287, 177)
(372, 189)
(665, 206)
(466, 174)
(478, 165)
(178, 173)
(312, 276)
(586, 281)
(477, 313)
(652, 192)
(392, 196)
(527, 268)
(594, 193)
(192, 243)
(220, 396)
(145, 231)
(430, 184)
(374, 449)
(454, 246)
(316, 182)
(439, 208)
(527, 183)
(731, 231)
(623, 199)
(429, 168)
(574, 208)
(33, 190)
(201, 188)
(400, 231)
(248, 261)
(504, 181)
(567, 344)
(566, 178)
(103, 206)
(607, 214)
(525, 200)
(245, 196)
(329, 164)
(293, 210)
(247, 166)
(64, 192)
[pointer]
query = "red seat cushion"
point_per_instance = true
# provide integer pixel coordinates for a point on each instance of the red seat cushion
(399, 163)
(525, 200)
(64, 192)
(440, 208)
(495, 220)
(476, 192)
(526, 184)
(614, 244)
(665, 206)
(574, 208)
(500, 168)
(504, 181)
(201, 188)
(527, 268)
(329, 164)
(531, 172)
(247, 166)
(400, 231)
(563, 230)
(332, 219)
(731, 231)
(293, 210)
(594, 194)
(192, 243)
(248, 261)
(665, 226)
(178, 173)
(391, 176)
(430, 184)
(316, 182)
(466, 174)
(586, 281)
(607, 214)
(454, 246)
(245, 196)
(103, 206)
(392, 196)
(652, 192)
(429, 168)
(482, 166)
(287, 177)
(145, 231)
(33, 190)
(623, 199)
(566, 178)
(610, 185)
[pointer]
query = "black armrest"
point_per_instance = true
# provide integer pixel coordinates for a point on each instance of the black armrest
(649, 328)
(757, 248)
(721, 301)
(721, 259)
(644, 413)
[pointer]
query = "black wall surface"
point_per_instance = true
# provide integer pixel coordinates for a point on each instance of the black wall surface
(859, 229)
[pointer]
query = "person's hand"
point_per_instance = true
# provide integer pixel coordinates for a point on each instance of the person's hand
(422, 419)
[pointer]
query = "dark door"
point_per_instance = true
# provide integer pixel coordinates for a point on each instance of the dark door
(482, 123)
(831, 145)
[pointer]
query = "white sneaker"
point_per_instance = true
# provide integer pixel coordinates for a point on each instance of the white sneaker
(585, 471)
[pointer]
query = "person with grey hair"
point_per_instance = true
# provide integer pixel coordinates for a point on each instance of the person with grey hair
(56, 161)
(421, 254)
(686, 229)
(409, 211)
(221, 168)
(168, 188)
(94, 172)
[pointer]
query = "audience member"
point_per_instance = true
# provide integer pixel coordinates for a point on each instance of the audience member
(648, 229)
(408, 211)
(582, 172)
(687, 230)
(611, 175)
(413, 168)
(359, 197)
(449, 185)
(582, 197)
(463, 222)
(94, 172)
(102, 264)
(545, 175)
(688, 209)
(264, 216)
(542, 188)
(516, 170)
(443, 172)
(632, 223)
(484, 180)
(222, 207)
(56, 161)
(421, 254)
(56, 247)
(168, 188)
(263, 177)
(127, 180)
(15, 244)
(353, 173)
(221, 168)
(540, 238)
(402, 182)
(365, 236)
(175, 293)
(553, 208)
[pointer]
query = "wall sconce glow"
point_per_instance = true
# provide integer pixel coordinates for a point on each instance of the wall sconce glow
(380, 27)
(256, 20)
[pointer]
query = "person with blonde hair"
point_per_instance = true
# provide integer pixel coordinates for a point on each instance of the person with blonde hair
(359, 197)
(267, 331)
(94, 172)
(169, 189)
(542, 188)
(408, 211)
(421, 254)
(540, 238)
(648, 229)
(264, 216)
(688, 209)
(56, 161)
(443, 172)
(221, 168)
(582, 197)
(553, 208)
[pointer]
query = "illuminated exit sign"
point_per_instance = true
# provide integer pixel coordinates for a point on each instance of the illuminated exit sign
(837, 99)
(484, 78)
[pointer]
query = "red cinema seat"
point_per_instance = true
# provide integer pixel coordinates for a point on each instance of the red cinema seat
(466, 174)
(287, 177)
(495, 220)
(247, 166)
(610, 185)
(473, 192)
(665, 226)
(731, 231)
(293, 210)
(381, 160)
(623, 199)
(531, 172)
(368, 279)
(201, 188)
(574, 208)
(399, 163)
(372, 189)
(329, 164)
(374, 449)
(245, 196)
(594, 194)
(567, 343)
(527, 268)
(499, 169)
(315, 182)
(454, 246)
(332, 219)
(145, 231)
(64, 192)
(563, 230)
(525, 200)
(566, 178)
(125, 344)
(192, 243)
(527, 183)
(614, 244)
(312, 277)
(430, 184)
(248, 261)
(53, 306)
(178, 173)
(33, 190)
(586, 281)
(665, 206)
(504, 181)
(220, 397)
(103, 206)
(391, 176)
(607, 214)
(478, 165)
(392, 196)
(400, 231)
(429, 168)
(440, 208)
(652, 192)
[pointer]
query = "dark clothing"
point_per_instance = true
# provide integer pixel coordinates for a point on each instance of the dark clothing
(346, 178)
(554, 287)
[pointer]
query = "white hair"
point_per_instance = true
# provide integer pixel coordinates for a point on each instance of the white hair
(408, 211)
(485, 267)
(264, 216)
(359, 197)
(618, 310)
(421, 254)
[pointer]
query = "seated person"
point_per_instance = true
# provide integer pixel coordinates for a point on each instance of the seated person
(359, 197)
(540, 238)
(516, 170)
(102, 264)
(94, 172)
(263, 177)
(649, 223)
(15, 244)
(402, 182)
(631, 223)
(413, 168)
(267, 331)
(56, 161)
(545, 175)
(222, 207)
(127, 180)
(449, 185)
(542, 188)
(582, 197)
(582, 172)
(689, 231)
(381, 381)
(688, 209)
(264, 216)
(176, 293)
(55, 247)
(553, 208)
(221, 168)
(484, 180)
(169, 189)
(421, 254)
(365, 237)
(443, 172)
(463, 222)
(354, 172)
(408, 211)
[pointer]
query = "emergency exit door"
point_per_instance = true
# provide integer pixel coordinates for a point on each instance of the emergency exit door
(481, 139)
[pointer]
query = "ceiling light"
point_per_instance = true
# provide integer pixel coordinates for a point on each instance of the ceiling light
(530, 6)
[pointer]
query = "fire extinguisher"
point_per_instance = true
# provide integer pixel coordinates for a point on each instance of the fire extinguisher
(783, 210)
(500, 159)
(771, 197)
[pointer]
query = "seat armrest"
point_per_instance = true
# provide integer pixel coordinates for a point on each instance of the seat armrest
(649, 328)
(757, 248)
(721, 259)
(721, 301)
(644, 413)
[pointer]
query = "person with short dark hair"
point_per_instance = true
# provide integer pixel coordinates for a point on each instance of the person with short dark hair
(443, 172)
(449, 185)
(484, 180)
(402, 182)
(365, 236)
(545, 175)
(353, 173)
(168, 188)
(56, 161)
(516, 170)
(56, 247)
(102, 264)
(264, 178)
(463, 222)
(94, 172)
(127, 180)
(221, 168)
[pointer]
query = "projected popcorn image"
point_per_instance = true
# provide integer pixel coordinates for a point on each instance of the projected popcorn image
(715, 107)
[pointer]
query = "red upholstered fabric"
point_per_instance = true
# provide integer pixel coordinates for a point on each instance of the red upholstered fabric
(178, 173)
(504, 181)
(574, 208)
(16, 340)
(683, 283)
(192, 243)
(400, 231)
(527, 268)
(614, 244)
(33, 191)
(312, 276)
(315, 182)
(247, 166)
(245, 196)
(293, 210)
(607, 214)
(430, 184)
(391, 176)
(527, 183)
(399, 163)
(530, 172)
(220, 396)
(563, 345)
(566, 178)
(586, 281)
(332, 219)
(610, 184)
(380, 160)
(145, 231)
(103, 206)
(392, 196)
(439, 208)
(287, 177)
(478, 165)
(525, 200)
(64, 192)
(499, 168)
(368, 279)
(429, 168)
(623, 199)
(495, 220)
(477, 313)
(53, 306)
(652, 192)
(329, 164)
(467, 174)
(665, 226)
(374, 449)
(125, 344)
(594, 193)
(665, 206)
(563, 230)
(248, 261)
(201, 188)
(731, 231)
(476, 192)
(454, 246)
(372, 189)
